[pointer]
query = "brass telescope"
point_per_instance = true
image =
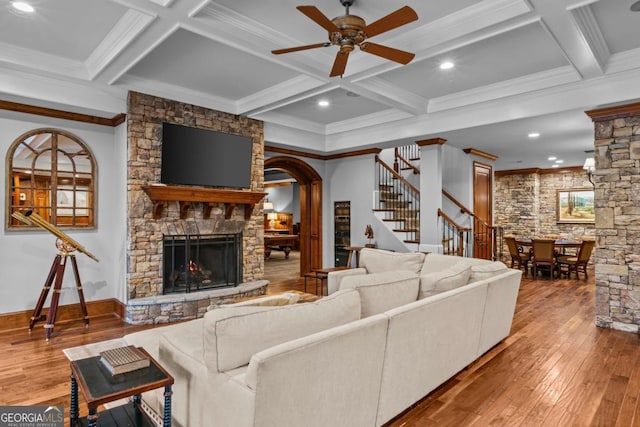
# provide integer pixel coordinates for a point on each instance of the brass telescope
(30, 218)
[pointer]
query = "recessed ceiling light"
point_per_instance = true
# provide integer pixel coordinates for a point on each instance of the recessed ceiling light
(447, 65)
(534, 135)
(323, 103)
(22, 6)
(559, 161)
(552, 158)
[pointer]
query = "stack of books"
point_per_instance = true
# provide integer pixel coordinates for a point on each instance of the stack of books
(123, 359)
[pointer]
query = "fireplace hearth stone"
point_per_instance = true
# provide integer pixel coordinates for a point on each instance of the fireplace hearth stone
(176, 307)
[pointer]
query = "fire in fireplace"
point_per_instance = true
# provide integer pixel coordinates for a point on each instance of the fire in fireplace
(194, 262)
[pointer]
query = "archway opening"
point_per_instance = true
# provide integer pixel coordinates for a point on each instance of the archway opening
(310, 184)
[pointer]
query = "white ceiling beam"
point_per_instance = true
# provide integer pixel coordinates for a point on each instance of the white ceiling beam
(568, 33)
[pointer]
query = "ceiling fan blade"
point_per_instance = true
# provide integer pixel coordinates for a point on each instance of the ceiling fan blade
(340, 64)
(297, 48)
(387, 52)
(400, 17)
(318, 17)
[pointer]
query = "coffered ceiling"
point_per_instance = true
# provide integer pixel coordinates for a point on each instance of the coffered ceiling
(521, 66)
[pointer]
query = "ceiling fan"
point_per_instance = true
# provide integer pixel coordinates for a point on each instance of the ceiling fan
(348, 31)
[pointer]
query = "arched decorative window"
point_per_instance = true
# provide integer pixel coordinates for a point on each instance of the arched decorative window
(51, 172)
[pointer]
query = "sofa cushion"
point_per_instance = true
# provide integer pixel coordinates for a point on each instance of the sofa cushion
(438, 262)
(233, 334)
(439, 281)
(378, 260)
(486, 270)
(380, 292)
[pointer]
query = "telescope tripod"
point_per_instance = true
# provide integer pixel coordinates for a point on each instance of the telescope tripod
(57, 273)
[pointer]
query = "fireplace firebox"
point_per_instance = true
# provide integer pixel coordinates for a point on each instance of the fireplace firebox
(194, 262)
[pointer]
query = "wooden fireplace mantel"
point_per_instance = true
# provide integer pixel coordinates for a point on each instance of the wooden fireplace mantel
(185, 196)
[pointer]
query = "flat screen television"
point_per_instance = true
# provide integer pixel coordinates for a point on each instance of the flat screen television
(192, 156)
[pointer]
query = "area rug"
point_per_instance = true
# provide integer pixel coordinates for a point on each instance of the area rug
(93, 349)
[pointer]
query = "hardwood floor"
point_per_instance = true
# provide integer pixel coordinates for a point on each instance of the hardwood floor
(556, 369)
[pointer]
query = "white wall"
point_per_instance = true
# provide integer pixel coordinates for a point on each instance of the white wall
(27, 255)
(457, 180)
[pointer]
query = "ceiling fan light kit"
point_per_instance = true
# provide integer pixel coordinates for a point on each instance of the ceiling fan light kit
(348, 31)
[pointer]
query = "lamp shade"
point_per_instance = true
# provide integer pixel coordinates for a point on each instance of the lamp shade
(268, 206)
(272, 216)
(589, 164)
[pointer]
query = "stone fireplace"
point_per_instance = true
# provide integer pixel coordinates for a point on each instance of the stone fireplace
(153, 221)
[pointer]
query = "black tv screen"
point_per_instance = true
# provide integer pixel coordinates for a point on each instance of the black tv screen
(192, 156)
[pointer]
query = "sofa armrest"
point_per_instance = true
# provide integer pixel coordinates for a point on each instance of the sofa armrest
(335, 277)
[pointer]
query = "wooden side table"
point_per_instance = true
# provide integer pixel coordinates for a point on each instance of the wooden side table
(320, 276)
(98, 387)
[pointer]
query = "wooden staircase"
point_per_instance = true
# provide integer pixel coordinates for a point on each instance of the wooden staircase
(398, 206)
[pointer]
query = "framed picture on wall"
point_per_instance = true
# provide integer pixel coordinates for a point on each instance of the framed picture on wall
(575, 206)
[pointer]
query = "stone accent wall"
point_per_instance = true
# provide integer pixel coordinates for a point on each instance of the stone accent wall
(617, 198)
(526, 203)
(145, 115)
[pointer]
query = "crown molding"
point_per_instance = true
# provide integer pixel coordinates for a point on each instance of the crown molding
(611, 113)
(588, 25)
(281, 93)
(382, 91)
(163, 3)
(86, 96)
(482, 154)
(386, 116)
(177, 93)
(517, 86)
(128, 27)
(368, 151)
(285, 120)
(60, 114)
(431, 141)
(35, 60)
(537, 171)
(624, 61)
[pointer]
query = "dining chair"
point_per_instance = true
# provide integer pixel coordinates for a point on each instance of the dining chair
(579, 261)
(520, 259)
(543, 255)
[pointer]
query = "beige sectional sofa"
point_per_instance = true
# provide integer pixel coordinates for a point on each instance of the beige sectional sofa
(387, 335)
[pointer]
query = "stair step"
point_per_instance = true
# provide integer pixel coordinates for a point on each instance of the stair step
(406, 230)
(412, 241)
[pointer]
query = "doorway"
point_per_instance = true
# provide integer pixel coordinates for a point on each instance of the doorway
(310, 184)
(482, 207)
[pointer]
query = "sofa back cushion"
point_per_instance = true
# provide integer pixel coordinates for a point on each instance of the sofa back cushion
(446, 279)
(487, 270)
(378, 260)
(233, 334)
(380, 292)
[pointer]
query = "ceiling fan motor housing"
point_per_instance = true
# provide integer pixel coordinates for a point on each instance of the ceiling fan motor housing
(351, 27)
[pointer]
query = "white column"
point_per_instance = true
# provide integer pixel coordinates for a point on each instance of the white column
(430, 194)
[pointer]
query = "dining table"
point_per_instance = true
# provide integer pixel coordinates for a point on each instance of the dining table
(560, 243)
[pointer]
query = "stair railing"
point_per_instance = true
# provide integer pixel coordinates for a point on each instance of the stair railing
(400, 200)
(403, 157)
(455, 238)
(488, 239)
